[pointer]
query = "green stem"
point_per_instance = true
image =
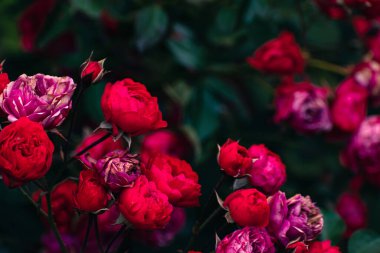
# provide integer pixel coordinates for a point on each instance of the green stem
(23, 191)
(98, 239)
(89, 225)
(117, 235)
(321, 64)
(53, 225)
(210, 218)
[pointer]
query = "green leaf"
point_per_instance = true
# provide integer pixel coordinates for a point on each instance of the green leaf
(333, 228)
(91, 8)
(150, 25)
(364, 241)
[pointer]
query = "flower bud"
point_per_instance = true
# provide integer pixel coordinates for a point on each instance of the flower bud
(267, 172)
(41, 98)
(246, 240)
(94, 70)
(248, 207)
(4, 80)
(323, 247)
(119, 169)
(234, 159)
(144, 206)
(298, 247)
(91, 195)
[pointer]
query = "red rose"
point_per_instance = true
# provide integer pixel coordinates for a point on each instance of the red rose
(234, 159)
(323, 247)
(353, 212)
(32, 21)
(91, 195)
(298, 247)
(128, 106)
(99, 151)
(333, 8)
(279, 56)
(175, 178)
(93, 68)
(26, 152)
(62, 204)
(4, 80)
(144, 206)
(349, 108)
(248, 207)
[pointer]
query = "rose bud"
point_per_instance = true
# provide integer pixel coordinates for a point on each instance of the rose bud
(248, 239)
(233, 159)
(248, 207)
(32, 20)
(4, 80)
(93, 69)
(163, 237)
(90, 157)
(353, 211)
(349, 108)
(167, 142)
(281, 55)
(298, 247)
(367, 75)
(119, 169)
(91, 195)
(128, 106)
(26, 152)
(323, 247)
(335, 9)
(175, 178)
(267, 172)
(144, 206)
(62, 203)
(362, 155)
(304, 106)
(41, 98)
(295, 219)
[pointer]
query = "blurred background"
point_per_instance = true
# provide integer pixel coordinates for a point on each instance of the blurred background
(191, 54)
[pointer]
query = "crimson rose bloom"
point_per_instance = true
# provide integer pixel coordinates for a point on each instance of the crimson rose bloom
(353, 211)
(303, 105)
(91, 195)
(267, 172)
(349, 108)
(25, 152)
(4, 80)
(281, 55)
(248, 207)
(234, 159)
(144, 206)
(97, 152)
(62, 203)
(175, 178)
(323, 247)
(128, 106)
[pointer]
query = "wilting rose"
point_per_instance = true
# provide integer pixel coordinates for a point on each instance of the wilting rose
(62, 204)
(304, 106)
(323, 247)
(26, 152)
(94, 69)
(248, 207)
(281, 55)
(90, 157)
(119, 169)
(175, 178)
(267, 172)
(333, 8)
(128, 106)
(167, 142)
(4, 80)
(32, 21)
(163, 237)
(144, 206)
(362, 155)
(353, 211)
(295, 219)
(298, 247)
(91, 195)
(246, 240)
(234, 159)
(349, 108)
(41, 98)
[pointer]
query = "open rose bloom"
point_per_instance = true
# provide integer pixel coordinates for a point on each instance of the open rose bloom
(42, 98)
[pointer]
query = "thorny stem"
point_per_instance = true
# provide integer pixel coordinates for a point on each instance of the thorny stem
(328, 66)
(53, 225)
(119, 233)
(23, 191)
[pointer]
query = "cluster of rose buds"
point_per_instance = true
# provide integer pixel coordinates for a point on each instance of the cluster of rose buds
(269, 220)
